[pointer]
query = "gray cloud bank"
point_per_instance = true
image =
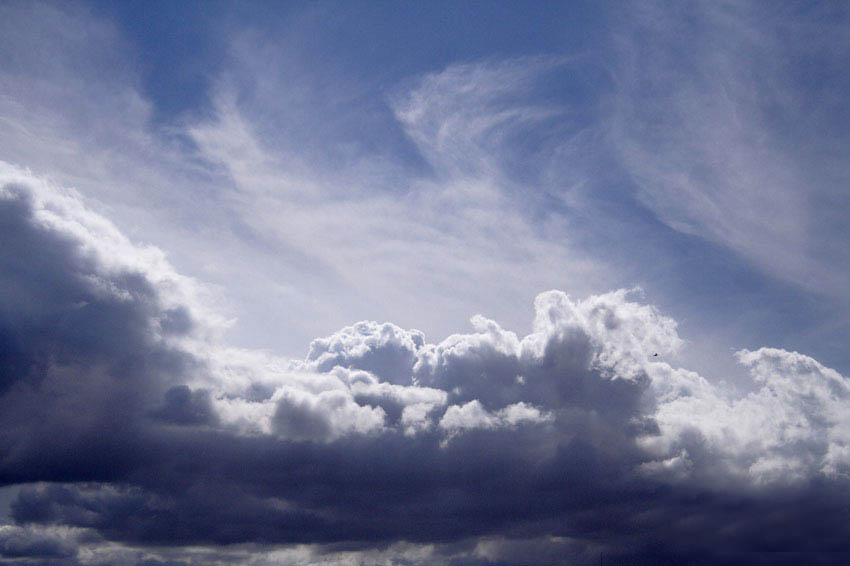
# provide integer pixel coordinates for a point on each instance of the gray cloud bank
(129, 433)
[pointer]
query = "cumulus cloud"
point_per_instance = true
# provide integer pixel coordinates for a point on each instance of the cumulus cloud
(129, 427)
(790, 429)
(386, 350)
(472, 415)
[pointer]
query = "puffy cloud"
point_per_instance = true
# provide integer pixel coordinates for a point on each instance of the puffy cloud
(792, 428)
(469, 416)
(145, 430)
(384, 349)
(472, 415)
(327, 415)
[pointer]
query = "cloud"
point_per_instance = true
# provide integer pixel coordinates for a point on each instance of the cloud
(383, 233)
(34, 542)
(184, 406)
(717, 123)
(463, 118)
(132, 430)
(89, 340)
(385, 350)
(472, 415)
(791, 429)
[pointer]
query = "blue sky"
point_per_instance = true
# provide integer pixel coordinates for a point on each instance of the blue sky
(277, 172)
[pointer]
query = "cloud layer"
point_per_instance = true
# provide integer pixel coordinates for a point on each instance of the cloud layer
(130, 431)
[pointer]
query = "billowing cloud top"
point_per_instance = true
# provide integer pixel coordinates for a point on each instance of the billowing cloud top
(130, 432)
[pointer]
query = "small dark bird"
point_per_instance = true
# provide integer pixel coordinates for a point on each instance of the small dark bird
(655, 354)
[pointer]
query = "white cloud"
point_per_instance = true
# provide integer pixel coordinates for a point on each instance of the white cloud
(472, 415)
(463, 117)
(718, 132)
(385, 349)
(414, 418)
(517, 413)
(468, 416)
(794, 427)
(328, 415)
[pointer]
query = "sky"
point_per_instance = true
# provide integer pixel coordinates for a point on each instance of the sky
(374, 283)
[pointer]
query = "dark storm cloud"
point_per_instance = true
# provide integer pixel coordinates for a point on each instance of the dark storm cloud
(184, 406)
(81, 355)
(569, 443)
(21, 542)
